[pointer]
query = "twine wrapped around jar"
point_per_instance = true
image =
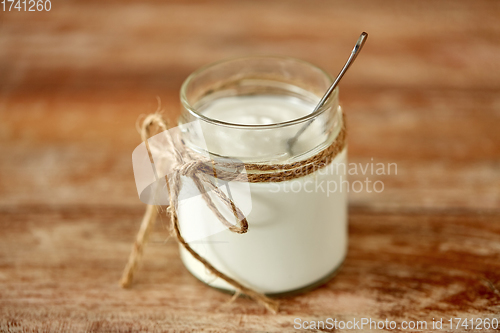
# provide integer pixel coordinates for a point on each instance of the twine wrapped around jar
(202, 171)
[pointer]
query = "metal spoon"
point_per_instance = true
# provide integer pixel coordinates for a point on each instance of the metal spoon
(355, 51)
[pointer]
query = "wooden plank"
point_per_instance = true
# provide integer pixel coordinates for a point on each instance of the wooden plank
(72, 150)
(59, 269)
(75, 175)
(82, 45)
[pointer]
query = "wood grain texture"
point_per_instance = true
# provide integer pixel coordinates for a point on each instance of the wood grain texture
(425, 94)
(60, 267)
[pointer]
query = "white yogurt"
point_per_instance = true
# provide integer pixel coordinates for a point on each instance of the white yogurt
(297, 231)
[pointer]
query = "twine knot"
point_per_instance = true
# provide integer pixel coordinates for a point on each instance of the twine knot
(188, 169)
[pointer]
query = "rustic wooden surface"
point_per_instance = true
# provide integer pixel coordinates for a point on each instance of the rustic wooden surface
(425, 94)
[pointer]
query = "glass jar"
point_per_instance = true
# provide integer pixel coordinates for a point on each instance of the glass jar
(248, 109)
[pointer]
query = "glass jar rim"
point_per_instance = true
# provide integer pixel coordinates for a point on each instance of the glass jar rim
(300, 120)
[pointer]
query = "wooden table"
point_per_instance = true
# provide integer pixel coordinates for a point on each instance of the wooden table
(425, 94)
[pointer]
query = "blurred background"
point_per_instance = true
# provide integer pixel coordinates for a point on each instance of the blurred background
(424, 93)
(74, 81)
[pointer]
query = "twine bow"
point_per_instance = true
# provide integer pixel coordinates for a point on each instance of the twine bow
(198, 170)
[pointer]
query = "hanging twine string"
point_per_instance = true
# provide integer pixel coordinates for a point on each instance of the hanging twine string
(202, 170)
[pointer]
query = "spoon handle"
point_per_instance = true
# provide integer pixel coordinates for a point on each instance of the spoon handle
(355, 51)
